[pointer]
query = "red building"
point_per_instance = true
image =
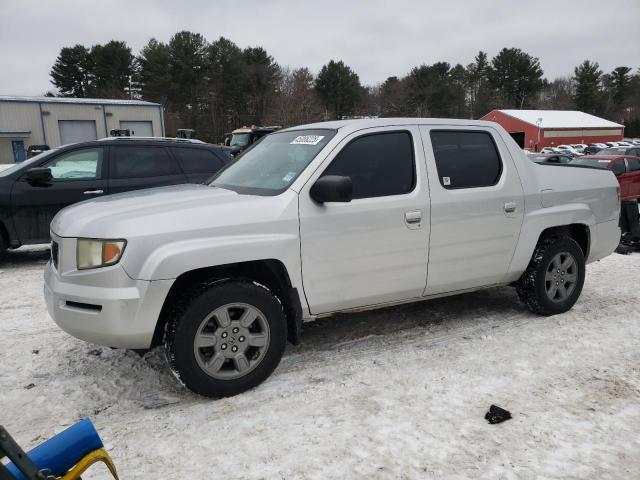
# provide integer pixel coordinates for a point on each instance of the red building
(536, 129)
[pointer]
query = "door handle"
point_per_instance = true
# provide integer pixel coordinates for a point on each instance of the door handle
(510, 207)
(413, 218)
(94, 192)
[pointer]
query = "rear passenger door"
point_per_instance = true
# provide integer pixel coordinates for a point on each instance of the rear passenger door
(132, 167)
(476, 207)
(198, 164)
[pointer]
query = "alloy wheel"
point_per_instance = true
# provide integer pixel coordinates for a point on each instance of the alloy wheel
(231, 341)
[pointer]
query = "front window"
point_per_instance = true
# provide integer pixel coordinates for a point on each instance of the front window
(85, 164)
(240, 139)
(27, 163)
(271, 165)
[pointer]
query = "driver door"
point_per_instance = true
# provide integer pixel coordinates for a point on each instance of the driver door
(77, 175)
(373, 249)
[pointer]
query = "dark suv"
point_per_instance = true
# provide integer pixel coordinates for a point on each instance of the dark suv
(32, 192)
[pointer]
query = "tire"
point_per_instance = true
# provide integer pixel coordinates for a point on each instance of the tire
(212, 330)
(549, 265)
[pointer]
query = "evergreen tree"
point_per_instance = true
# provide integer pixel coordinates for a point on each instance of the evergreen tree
(588, 93)
(153, 71)
(516, 76)
(480, 101)
(225, 87)
(429, 91)
(339, 88)
(262, 75)
(70, 73)
(111, 69)
(187, 65)
(620, 81)
(393, 98)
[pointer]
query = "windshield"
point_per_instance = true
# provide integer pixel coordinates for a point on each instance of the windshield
(269, 167)
(240, 139)
(591, 162)
(18, 166)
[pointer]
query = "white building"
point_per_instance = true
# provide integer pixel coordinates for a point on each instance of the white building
(55, 121)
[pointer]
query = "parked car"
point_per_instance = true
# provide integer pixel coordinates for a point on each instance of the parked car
(319, 219)
(594, 148)
(33, 191)
(568, 149)
(551, 158)
(551, 150)
(634, 151)
(579, 147)
(626, 168)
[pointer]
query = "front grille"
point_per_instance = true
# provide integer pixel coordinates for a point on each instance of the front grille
(54, 253)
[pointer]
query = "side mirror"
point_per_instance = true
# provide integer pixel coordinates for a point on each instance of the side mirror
(332, 188)
(39, 175)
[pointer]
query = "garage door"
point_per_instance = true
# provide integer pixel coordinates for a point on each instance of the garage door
(74, 131)
(138, 128)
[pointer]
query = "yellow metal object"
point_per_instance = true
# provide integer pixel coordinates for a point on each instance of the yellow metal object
(88, 460)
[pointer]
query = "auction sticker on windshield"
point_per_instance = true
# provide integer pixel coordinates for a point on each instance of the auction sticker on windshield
(307, 140)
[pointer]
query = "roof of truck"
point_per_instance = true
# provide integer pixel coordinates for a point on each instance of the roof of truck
(389, 122)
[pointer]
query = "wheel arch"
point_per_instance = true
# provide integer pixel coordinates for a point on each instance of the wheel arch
(579, 232)
(270, 273)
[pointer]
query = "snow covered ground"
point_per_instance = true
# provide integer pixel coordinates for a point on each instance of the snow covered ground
(397, 393)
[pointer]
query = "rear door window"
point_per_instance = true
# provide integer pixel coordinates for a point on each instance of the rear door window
(141, 162)
(466, 159)
(197, 160)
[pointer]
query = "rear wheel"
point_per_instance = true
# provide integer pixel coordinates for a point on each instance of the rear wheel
(227, 338)
(554, 278)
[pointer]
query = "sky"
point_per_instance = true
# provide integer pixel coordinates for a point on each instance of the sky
(376, 38)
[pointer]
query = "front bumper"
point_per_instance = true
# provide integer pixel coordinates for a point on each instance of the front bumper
(104, 306)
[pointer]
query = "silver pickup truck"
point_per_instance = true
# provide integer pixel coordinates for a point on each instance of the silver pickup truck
(319, 219)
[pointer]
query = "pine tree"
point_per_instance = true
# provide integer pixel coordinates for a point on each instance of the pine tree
(339, 88)
(70, 73)
(588, 93)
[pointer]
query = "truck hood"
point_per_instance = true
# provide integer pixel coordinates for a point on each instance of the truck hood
(157, 211)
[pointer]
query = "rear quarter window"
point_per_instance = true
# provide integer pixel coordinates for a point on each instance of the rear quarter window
(198, 160)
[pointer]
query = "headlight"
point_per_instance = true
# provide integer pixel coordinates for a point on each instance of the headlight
(98, 253)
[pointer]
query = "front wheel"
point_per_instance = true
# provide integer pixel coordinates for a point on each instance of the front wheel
(227, 338)
(554, 278)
